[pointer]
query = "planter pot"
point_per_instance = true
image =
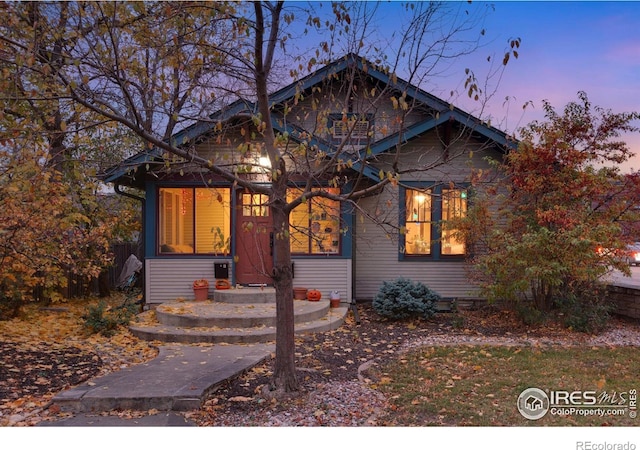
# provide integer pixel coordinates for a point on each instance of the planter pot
(334, 299)
(201, 293)
(299, 293)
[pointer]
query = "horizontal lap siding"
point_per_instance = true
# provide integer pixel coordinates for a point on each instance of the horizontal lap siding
(325, 275)
(448, 279)
(311, 113)
(376, 260)
(168, 279)
(376, 256)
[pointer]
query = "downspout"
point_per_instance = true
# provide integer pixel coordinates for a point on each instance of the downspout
(118, 189)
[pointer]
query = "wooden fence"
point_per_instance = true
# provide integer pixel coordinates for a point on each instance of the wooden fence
(78, 286)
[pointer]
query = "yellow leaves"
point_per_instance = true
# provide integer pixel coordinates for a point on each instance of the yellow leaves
(400, 102)
(394, 102)
(403, 102)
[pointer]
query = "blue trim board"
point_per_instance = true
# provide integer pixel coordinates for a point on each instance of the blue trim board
(149, 221)
(240, 107)
(151, 226)
(436, 218)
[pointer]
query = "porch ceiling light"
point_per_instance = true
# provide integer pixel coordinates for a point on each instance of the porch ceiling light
(264, 161)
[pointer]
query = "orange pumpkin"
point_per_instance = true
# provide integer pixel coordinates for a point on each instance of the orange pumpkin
(223, 284)
(313, 295)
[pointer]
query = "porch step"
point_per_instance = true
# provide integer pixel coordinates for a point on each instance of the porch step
(231, 323)
(245, 295)
(233, 315)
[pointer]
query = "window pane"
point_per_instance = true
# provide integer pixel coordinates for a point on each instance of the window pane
(255, 205)
(315, 224)
(454, 205)
(213, 222)
(176, 220)
(325, 224)
(298, 224)
(418, 222)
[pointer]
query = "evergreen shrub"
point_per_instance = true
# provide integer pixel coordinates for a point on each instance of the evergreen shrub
(404, 298)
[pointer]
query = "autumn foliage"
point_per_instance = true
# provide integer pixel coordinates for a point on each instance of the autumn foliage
(52, 226)
(561, 214)
(43, 236)
(54, 220)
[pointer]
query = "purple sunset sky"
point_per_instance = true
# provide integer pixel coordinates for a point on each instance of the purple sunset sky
(569, 47)
(566, 47)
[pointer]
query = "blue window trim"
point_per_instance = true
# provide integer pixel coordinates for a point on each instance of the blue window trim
(436, 218)
(152, 225)
(151, 231)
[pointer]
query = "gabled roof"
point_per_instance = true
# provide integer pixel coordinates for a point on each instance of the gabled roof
(444, 112)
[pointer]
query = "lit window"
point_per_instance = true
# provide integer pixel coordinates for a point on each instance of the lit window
(454, 206)
(315, 225)
(424, 211)
(194, 221)
(418, 222)
(255, 205)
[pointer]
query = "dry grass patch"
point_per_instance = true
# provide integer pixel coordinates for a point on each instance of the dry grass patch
(479, 386)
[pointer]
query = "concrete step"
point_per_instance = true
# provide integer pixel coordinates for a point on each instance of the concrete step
(233, 315)
(245, 295)
(331, 320)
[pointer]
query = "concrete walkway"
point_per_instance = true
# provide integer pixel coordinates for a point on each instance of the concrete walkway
(161, 419)
(179, 379)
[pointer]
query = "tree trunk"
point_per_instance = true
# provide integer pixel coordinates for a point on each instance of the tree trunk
(284, 376)
(103, 284)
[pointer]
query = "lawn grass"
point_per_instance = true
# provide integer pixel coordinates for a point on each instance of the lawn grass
(480, 385)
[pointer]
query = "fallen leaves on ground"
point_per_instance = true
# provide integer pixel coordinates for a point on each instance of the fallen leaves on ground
(47, 350)
(340, 369)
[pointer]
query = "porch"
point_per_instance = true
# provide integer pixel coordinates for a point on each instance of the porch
(234, 316)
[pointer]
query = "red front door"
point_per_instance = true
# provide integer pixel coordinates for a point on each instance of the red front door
(254, 239)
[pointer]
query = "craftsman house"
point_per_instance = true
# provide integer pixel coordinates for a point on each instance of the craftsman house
(367, 124)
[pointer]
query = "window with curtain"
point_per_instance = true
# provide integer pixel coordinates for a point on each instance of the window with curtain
(454, 205)
(194, 221)
(315, 225)
(418, 222)
(424, 210)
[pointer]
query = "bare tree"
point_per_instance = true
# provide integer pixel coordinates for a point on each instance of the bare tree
(154, 67)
